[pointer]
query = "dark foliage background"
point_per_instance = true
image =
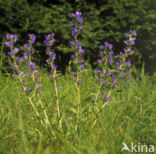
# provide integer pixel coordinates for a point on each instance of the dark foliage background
(103, 20)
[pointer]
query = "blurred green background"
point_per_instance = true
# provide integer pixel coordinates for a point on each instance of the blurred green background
(103, 20)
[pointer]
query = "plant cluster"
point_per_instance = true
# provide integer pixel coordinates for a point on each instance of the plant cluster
(110, 69)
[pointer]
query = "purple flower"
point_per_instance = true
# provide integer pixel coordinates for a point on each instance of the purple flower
(16, 50)
(28, 74)
(132, 52)
(38, 88)
(107, 102)
(79, 80)
(19, 59)
(27, 45)
(9, 44)
(101, 47)
(32, 38)
(110, 52)
(133, 32)
(110, 46)
(99, 61)
(108, 97)
(114, 78)
(111, 61)
(71, 23)
(21, 73)
(100, 80)
(15, 75)
(31, 65)
(108, 73)
(80, 27)
(118, 69)
(24, 82)
(98, 71)
(28, 90)
(57, 87)
(101, 53)
(10, 54)
(122, 55)
(81, 50)
(118, 63)
(73, 56)
(48, 60)
(37, 78)
(71, 42)
(82, 66)
(128, 63)
(52, 54)
(51, 77)
(74, 31)
(35, 71)
(122, 74)
(80, 61)
(106, 83)
(115, 84)
(74, 73)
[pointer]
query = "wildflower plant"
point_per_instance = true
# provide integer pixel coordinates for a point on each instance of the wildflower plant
(77, 58)
(110, 70)
(49, 41)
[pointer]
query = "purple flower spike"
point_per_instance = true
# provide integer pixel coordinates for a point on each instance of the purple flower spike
(79, 80)
(115, 84)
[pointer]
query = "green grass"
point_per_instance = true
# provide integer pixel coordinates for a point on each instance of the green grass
(130, 117)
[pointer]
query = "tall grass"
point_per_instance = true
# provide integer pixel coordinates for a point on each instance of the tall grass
(130, 117)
